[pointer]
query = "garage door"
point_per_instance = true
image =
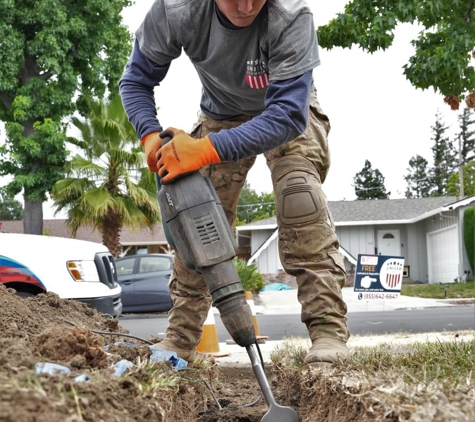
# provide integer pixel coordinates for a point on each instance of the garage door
(443, 254)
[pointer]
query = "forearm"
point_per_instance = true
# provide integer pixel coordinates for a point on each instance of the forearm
(285, 118)
(136, 88)
(139, 105)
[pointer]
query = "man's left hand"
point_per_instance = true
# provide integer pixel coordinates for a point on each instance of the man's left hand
(184, 154)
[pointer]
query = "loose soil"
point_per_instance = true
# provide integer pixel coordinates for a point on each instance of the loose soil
(48, 329)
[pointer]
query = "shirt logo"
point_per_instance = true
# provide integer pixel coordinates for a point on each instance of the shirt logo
(257, 75)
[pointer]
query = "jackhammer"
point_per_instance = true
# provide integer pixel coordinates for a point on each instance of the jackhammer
(196, 227)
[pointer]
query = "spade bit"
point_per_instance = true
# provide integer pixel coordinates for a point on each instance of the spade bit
(276, 413)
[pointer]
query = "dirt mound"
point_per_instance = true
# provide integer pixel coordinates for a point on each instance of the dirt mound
(47, 329)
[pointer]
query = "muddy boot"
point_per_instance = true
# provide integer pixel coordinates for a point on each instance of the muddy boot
(326, 350)
(165, 344)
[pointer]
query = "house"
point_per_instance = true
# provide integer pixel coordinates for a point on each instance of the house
(427, 232)
(132, 241)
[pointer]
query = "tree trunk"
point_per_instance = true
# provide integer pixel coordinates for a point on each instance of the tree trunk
(111, 233)
(33, 219)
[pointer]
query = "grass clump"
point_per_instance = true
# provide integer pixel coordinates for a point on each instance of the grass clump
(291, 352)
(451, 362)
(437, 291)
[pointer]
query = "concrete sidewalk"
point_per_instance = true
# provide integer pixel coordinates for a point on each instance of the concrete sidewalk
(286, 302)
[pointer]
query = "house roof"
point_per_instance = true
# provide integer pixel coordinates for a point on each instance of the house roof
(378, 211)
(58, 227)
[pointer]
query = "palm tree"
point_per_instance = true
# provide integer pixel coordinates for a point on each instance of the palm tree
(108, 185)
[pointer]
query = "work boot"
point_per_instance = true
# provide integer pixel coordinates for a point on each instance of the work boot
(326, 350)
(165, 344)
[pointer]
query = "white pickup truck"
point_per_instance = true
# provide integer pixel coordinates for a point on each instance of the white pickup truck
(73, 269)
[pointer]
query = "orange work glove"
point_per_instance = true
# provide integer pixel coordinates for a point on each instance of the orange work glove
(184, 154)
(151, 143)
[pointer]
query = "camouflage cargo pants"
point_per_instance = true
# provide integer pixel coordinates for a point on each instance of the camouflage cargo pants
(308, 245)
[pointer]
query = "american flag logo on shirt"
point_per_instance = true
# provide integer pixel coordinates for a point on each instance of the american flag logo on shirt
(257, 75)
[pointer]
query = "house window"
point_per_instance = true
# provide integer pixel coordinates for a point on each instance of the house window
(388, 236)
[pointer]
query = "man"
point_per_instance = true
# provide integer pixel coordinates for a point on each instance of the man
(255, 62)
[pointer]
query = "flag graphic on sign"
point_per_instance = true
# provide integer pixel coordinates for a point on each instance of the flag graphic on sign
(391, 273)
(392, 280)
(257, 75)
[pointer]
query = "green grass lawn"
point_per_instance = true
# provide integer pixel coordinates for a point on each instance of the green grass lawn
(437, 291)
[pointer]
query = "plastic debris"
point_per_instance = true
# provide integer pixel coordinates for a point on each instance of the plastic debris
(122, 366)
(159, 355)
(51, 368)
(82, 378)
(275, 287)
(178, 363)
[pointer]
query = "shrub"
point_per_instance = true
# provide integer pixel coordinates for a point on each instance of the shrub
(251, 279)
(469, 235)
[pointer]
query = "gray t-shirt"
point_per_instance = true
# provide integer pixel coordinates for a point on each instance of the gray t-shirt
(234, 66)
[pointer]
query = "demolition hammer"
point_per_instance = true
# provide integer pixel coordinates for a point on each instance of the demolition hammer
(196, 227)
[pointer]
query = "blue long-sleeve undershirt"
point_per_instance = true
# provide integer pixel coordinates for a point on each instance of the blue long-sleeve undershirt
(284, 118)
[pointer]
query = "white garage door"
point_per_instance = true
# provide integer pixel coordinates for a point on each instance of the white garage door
(443, 254)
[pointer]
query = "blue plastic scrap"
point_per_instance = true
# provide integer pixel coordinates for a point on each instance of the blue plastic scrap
(159, 355)
(51, 368)
(122, 366)
(275, 287)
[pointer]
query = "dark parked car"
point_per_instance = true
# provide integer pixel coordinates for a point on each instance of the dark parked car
(144, 281)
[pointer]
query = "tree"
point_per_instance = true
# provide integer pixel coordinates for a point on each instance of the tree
(102, 189)
(54, 55)
(467, 136)
(10, 208)
(418, 180)
(442, 52)
(468, 175)
(444, 158)
(369, 183)
(252, 206)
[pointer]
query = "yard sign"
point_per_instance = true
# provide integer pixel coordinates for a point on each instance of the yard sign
(378, 277)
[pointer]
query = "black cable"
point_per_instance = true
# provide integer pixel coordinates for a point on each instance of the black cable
(110, 333)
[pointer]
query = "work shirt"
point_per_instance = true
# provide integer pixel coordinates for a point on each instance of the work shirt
(263, 70)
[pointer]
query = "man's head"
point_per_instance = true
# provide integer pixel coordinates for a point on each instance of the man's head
(240, 12)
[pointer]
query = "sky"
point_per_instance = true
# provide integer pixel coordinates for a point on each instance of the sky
(375, 112)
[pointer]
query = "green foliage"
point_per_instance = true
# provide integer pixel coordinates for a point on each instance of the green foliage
(468, 175)
(469, 235)
(466, 135)
(105, 188)
(444, 158)
(442, 51)
(251, 279)
(252, 206)
(55, 54)
(369, 183)
(418, 181)
(10, 208)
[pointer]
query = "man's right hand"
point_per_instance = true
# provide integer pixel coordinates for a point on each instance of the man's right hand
(152, 143)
